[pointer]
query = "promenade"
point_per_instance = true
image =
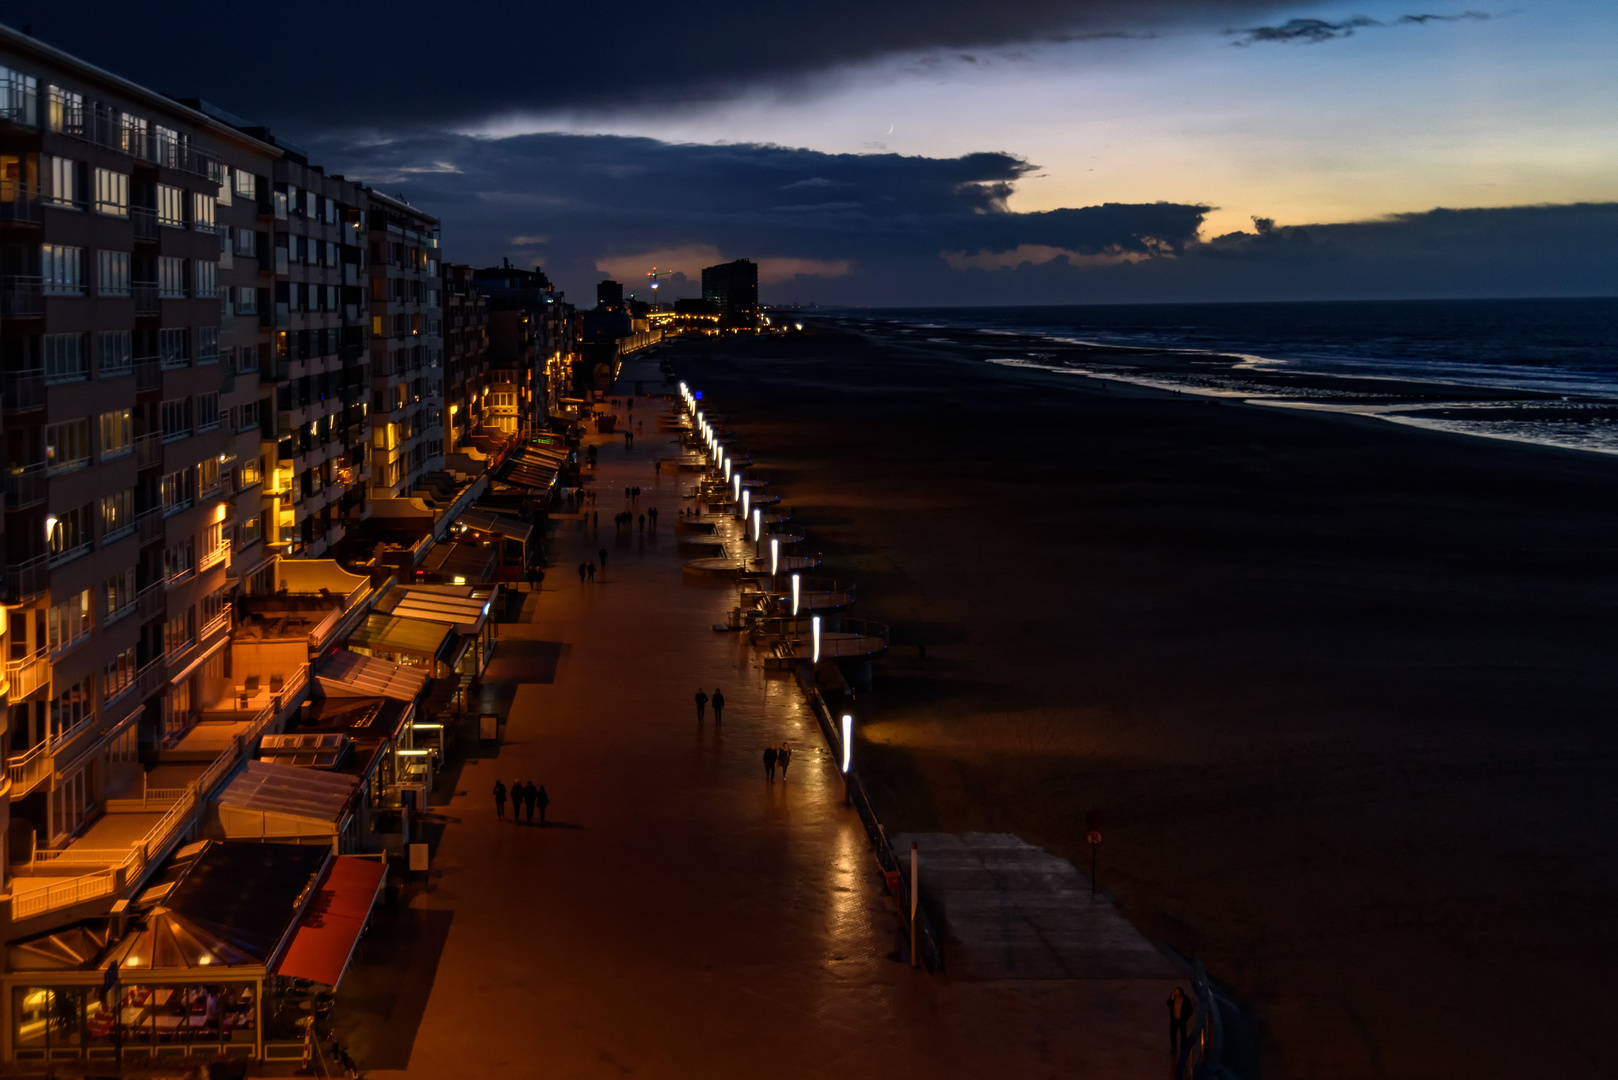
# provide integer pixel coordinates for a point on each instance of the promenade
(680, 917)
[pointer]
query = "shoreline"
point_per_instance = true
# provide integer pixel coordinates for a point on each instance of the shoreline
(1261, 642)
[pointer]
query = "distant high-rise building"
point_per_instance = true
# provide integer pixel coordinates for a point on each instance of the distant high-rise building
(609, 294)
(733, 288)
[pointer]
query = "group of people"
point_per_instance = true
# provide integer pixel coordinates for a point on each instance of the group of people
(580, 497)
(718, 701)
(777, 758)
(525, 798)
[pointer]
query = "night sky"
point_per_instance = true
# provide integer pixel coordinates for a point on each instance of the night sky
(935, 151)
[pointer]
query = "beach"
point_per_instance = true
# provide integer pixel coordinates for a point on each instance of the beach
(1341, 688)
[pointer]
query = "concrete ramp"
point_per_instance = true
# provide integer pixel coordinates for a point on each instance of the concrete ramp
(1015, 911)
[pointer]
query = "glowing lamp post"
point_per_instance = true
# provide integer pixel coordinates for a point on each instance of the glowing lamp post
(727, 468)
(795, 596)
(775, 556)
(746, 497)
(848, 760)
(814, 632)
(758, 532)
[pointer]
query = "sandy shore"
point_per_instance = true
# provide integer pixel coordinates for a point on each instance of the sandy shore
(1344, 690)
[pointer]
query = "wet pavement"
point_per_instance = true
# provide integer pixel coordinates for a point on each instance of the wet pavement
(680, 916)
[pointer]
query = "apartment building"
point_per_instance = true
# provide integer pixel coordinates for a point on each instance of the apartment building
(407, 347)
(532, 348)
(466, 353)
(119, 351)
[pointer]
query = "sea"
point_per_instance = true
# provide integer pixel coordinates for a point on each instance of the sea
(1534, 371)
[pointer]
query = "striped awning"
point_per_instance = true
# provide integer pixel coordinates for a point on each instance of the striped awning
(348, 674)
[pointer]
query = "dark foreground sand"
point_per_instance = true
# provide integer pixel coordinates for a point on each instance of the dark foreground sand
(1347, 692)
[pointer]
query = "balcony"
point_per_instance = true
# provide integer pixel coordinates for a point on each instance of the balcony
(212, 559)
(149, 451)
(145, 221)
(28, 674)
(21, 296)
(25, 486)
(27, 769)
(150, 679)
(67, 555)
(19, 205)
(26, 580)
(148, 374)
(147, 301)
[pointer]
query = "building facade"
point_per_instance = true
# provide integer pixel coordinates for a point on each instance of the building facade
(466, 353)
(733, 288)
(407, 347)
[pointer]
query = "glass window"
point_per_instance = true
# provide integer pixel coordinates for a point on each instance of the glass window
(19, 95)
(61, 269)
(205, 278)
(112, 273)
(202, 212)
(117, 433)
(171, 206)
(207, 412)
(171, 348)
(64, 357)
(247, 300)
(246, 185)
(170, 277)
(67, 445)
(207, 344)
(66, 111)
(112, 193)
(117, 512)
(176, 413)
(246, 242)
(115, 353)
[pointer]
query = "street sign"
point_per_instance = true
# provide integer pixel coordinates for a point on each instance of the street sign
(1093, 838)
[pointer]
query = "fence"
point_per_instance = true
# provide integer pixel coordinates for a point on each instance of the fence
(929, 945)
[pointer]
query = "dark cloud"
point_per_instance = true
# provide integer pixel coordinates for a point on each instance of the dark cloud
(1314, 31)
(315, 63)
(884, 229)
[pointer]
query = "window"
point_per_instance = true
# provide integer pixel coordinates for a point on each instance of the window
(118, 675)
(19, 95)
(246, 185)
(170, 206)
(180, 561)
(179, 490)
(246, 242)
(115, 353)
(207, 411)
(213, 543)
(251, 532)
(67, 445)
(249, 473)
(247, 300)
(134, 131)
(61, 269)
(69, 709)
(170, 277)
(171, 348)
(70, 533)
(64, 357)
(65, 112)
(112, 273)
(208, 476)
(117, 513)
(176, 413)
(112, 193)
(251, 416)
(117, 433)
(202, 212)
(205, 278)
(225, 186)
(207, 344)
(247, 359)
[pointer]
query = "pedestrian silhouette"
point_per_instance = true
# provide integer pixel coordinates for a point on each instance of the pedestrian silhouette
(643, 523)
(581, 573)
(542, 799)
(718, 705)
(528, 794)
(603, 554)
(769, 763)
(500, 800)
(702, 700)
(591, 569)
(783, 759)
(1180, 1009)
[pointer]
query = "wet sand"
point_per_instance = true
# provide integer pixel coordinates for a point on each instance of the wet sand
(1344, 690)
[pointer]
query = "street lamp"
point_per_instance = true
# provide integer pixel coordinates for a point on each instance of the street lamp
(848, 742)
(736, 486)
(814, 632)
(775, 555)
(746, 498)
(794, 596)
(726, 460)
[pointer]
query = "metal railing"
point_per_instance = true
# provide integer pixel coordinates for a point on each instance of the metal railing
(63, 894)
(145, 219)
(148, 452)
(149, 679)
(25, 486)
(26, 580)
(24, 390)
(19, 205)
(147, 298)
(28, 768)
(21, 295)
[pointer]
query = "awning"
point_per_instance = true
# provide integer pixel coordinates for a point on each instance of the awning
(348, 674)
(284, 802)
(470, 562)
(499, 524)
(333, 921)
(388, 633)
(464, 611)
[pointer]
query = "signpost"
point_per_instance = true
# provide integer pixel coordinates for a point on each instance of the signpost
(1092, 836)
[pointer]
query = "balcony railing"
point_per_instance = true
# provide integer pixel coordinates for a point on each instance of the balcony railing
(25, 486)
(26, 580)
(19, 205)
(148, 451)
(211, 559)
(145, 220)
(147, 301)
(149, 679)
(21, 296)
(28, 674)
(148, 374)
(152, 603)
(67, 555)
(27, 769)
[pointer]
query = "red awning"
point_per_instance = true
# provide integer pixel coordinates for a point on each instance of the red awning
(332, 922)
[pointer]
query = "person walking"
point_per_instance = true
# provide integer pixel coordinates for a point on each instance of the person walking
(702, 701)
(642, 520)
(591, 569)
(603, 554)
(652, 513)
(784, 758)
(581, 573)
(769, 763)
(542, 799)
(500, 800)
(1180, 1009)
(595, 519)
(528, 795)
(718, 706)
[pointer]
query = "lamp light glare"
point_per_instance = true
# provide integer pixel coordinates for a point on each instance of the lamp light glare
(795, 584)
(775, 555)
(848, 742)
(814, 631)
(758, 525)
(747, 497)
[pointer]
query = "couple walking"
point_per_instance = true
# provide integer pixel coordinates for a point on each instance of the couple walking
(718, 700)
(524, 797)
(774, 758)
